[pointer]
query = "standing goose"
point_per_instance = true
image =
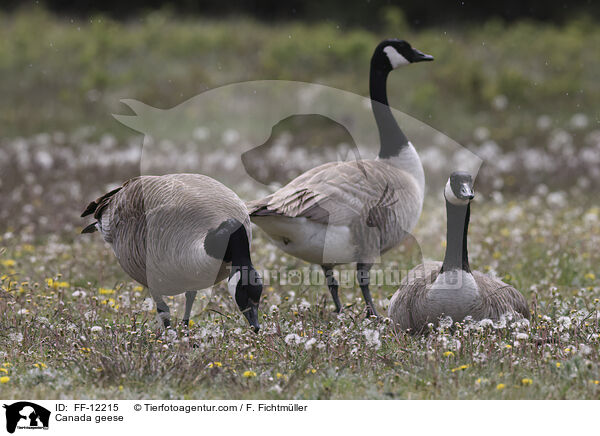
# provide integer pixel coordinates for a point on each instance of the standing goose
(343, 212)
(180, 233)
(435, 289)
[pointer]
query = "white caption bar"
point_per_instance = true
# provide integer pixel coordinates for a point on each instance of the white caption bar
(260, 418)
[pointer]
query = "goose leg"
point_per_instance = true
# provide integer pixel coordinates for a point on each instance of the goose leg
(332, 284)
(162, 309)
(363, 278)
(190, 296)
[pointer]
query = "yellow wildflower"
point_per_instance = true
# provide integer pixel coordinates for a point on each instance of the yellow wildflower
(526, 381)
(8, 263)
(249, 374)
(448, 354)
(55, 284)
(191, 323)
(4, 379)
(460, 368)
(508, 346)
(279, 375)
(590, 276)
(6, 364)
(215, 365)
(558, 364)
(120, 387)
(500, 386)
(4, 370)
(106, 291)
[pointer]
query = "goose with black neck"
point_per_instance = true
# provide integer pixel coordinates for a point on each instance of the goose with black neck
(450, 289)
(345, 212)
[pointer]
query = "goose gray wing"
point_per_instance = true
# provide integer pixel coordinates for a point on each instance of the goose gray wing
(339, 192)
(499, 298)
(407, 306)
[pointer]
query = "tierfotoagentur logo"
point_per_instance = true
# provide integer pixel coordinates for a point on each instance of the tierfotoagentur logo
(26, 415)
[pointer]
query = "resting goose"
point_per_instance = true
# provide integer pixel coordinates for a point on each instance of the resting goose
(347, 212)
(180, 233)
(434, 289)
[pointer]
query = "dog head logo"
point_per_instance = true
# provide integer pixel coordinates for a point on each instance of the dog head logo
(26, 415)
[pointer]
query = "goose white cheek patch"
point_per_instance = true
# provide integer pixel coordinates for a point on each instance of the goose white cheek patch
(396, 59)
(232, 283)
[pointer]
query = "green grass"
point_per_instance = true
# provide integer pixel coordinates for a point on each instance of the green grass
(551, 258)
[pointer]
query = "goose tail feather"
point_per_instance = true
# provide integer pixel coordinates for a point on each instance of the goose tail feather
(95, 207)
(90, 229)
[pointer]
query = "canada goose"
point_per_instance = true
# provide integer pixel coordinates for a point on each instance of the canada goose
(436, 289)
(180, 233)
(348, 212)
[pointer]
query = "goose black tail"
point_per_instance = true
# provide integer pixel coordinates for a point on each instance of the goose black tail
(90, 229)
(95, 206)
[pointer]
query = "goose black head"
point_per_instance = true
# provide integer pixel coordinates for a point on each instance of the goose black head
(392, 53)
(459, 188)
(245, 286)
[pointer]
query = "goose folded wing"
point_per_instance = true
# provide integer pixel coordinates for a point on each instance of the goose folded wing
(334, 193)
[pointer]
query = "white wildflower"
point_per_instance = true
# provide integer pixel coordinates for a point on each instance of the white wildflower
(276, 388)
(308, 345)
(372, 337)
(445, 322)
(147, 305)
(293, 338)
(500, 324)
(304, 305)
(96, 329)
(564, 322)
(16, 337)
(486, 323)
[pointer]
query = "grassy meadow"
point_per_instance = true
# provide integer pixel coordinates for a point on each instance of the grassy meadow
(522, 96)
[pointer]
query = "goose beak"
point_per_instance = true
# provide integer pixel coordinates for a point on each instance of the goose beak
(419, 56)
(251, 314)
(466, 191)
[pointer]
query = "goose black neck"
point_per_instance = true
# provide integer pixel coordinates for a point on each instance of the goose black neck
(457, 256)
(392, 139)
(238, 250)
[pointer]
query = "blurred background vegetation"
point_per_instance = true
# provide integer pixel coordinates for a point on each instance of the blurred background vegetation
(63, 68)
